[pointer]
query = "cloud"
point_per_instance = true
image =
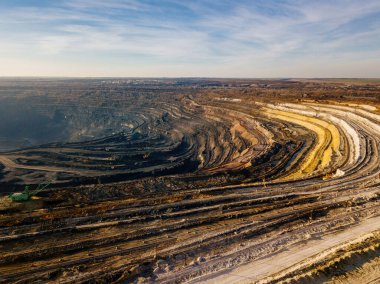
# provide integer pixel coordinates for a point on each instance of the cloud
(111, 4)
(250, 35)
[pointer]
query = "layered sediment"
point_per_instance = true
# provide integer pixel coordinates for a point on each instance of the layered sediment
(203, 187)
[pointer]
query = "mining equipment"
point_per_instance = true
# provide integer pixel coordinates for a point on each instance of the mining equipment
(28, 194)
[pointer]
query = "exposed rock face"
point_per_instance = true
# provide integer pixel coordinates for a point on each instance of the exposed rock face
(175, 181)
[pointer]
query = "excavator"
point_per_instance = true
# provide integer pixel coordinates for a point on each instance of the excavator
(28, 194)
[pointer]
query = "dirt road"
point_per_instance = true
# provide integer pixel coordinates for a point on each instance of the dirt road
(291, 258)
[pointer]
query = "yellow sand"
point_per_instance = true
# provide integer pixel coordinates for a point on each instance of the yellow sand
(328, 141)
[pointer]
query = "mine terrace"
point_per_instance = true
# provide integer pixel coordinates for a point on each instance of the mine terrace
(190, 180)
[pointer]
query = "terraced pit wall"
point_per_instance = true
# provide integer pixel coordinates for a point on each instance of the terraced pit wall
(189, 184)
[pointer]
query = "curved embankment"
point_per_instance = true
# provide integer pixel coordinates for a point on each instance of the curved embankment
(327, 140)
(213, 189)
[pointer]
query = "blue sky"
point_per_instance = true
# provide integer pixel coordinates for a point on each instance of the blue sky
(204, 38)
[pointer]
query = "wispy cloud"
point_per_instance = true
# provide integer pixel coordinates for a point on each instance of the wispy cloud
(203, 38)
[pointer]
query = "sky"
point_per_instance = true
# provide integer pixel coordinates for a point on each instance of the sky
(184, 38)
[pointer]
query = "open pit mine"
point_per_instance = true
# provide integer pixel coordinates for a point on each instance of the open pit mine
(190, 181)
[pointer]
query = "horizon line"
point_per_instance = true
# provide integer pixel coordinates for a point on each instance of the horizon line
(179, 77)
